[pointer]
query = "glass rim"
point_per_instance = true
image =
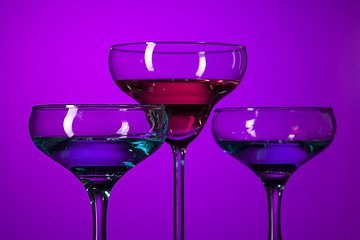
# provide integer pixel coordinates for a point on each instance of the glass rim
(234, 47)
(274, 108)
(98, 107)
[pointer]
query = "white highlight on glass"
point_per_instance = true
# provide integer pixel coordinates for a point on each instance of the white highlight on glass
(124, 129)
(291, 136)
(234, 60)
(107, 193)
(68, 120)
(148, 56)
(250, 127)
(202, 65)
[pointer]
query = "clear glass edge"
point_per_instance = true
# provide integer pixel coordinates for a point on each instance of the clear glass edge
(98, 106)
(237, 47)
(272, 108)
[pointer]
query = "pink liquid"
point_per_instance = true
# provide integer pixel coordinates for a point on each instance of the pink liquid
(188, 102)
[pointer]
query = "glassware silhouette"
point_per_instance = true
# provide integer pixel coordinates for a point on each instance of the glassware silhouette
(273, 143)
(189, 79)
(98, 144)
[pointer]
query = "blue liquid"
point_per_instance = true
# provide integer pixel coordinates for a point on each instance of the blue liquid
(273, 160)
(100, 159)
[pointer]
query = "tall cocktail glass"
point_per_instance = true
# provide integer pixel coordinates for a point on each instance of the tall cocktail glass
(189, 79)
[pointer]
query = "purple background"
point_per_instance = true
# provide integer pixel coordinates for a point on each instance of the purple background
(305, 53)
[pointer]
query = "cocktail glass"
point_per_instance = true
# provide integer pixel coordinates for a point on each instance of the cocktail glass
(273, 143)
(189, 79)
(98, 144)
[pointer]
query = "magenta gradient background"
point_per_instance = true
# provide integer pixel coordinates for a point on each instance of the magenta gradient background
(305, 53)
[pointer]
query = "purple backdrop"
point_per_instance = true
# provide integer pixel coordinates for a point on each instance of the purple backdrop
(299, 54)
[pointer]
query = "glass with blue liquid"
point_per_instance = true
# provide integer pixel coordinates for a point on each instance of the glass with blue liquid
(98, 143)
(273, 143)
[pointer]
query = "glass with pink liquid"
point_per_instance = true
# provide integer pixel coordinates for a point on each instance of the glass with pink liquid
(188, 79)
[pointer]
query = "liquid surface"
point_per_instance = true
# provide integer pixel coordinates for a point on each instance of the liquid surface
(273, 160)
(188, 102)
(98, 159)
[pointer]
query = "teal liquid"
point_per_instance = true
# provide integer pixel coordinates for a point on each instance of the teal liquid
(273, 160)
(99, 159)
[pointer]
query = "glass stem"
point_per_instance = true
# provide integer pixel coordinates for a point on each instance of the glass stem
(179, 156)
(274, 193)
(99, 202)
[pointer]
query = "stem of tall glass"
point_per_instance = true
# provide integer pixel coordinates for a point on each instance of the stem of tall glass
(274, 193)
(179, 156)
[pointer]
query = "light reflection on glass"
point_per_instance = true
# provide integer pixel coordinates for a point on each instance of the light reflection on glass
(202, 64)
(124, 129)
(250, 127)
(291, 136)
(234, 60)
(68, 120)
(148, 56)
